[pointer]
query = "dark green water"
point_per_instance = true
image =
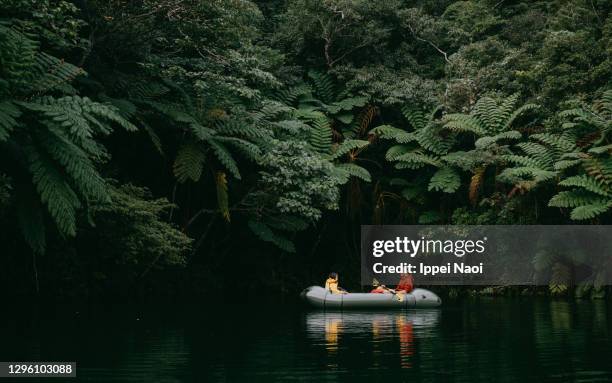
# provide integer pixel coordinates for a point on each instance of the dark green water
(498, 340)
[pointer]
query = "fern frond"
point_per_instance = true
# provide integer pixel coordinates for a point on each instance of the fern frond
(486, 111)
(293, 127)
(560, 279)
(347, 146)
(324, 85)
(445, 180)
(289, 96)
(225, 157)
(321, 135)
(8, 119)
(155, 140)
(346, 104)
(348, 170)
(363, 121)
(18, 60)
(52, 73)
(507, 106)
(589, 211)
(393, 133)
(559, 142)
(515, 175)
(222, 196)
(600, 170)
(566, 164)
(397, 150)
(485, 142)
(287, 223)
(430, 138)
(464, 123)
(416, 159)
(239, 129)
(574, 198)
(520, 160)
(263, 232)
(249, 150)
(587, 183)
(188, 163)
(604, 104)
(140, 91)
(429, 217)
(601, 149)
(475, 183)
(416, 117)
(518, 113)
(273, 109)
(412, 192)
(62, 202)
(542, 155)
(76, 164)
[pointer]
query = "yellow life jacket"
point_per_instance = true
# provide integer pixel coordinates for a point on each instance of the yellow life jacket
(332, 285)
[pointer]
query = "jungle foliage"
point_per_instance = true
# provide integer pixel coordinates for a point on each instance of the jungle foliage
(188, 146)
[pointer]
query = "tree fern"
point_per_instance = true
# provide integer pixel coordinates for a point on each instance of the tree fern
(488, 117)
(58, 136)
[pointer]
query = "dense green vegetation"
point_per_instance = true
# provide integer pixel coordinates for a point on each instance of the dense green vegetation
(183, 147)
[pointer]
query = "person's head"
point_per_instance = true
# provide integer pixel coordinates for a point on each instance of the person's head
(333, 275)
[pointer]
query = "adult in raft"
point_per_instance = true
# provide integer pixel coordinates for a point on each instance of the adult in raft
(331, 284)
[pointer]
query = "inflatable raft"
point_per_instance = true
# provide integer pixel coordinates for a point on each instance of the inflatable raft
(321, 298)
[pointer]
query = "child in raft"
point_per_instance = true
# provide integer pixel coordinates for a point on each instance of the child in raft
(331, 284)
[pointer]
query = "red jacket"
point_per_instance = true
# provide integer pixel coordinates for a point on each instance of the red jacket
(406, 284)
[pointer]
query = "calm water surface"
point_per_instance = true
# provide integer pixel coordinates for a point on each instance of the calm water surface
(499, 340)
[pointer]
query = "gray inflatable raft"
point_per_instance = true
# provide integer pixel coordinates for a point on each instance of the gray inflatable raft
(319, 297)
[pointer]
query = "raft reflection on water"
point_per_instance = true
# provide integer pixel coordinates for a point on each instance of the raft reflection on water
(375, 328)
